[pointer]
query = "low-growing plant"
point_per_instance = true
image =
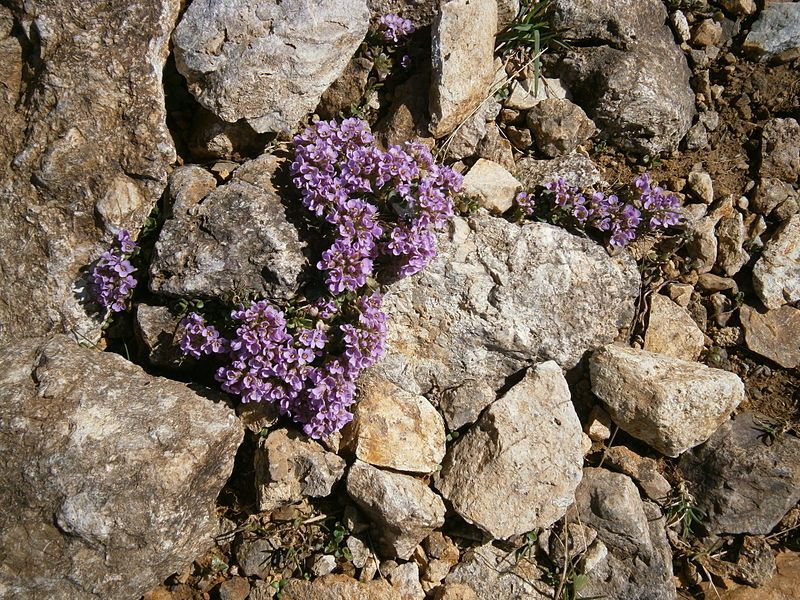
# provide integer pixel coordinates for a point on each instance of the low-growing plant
(379, 210)
(112, 280)
(681, 510)
(621, 216)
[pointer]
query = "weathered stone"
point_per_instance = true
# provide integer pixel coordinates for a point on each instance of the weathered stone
(707, 33)
(497, 148)
(112, 471)
(463, 61)
(495, 574)
(338, 587)
(497, 298)
(731, 236)
(636, 89)
(776, 275)
(289, 466)
(780, 149)
(454, 591)
(236, 238)
(235, 588)
(84, 149)
(403, 510)
(405, 579)
(701, 186)
(518, 467)
(670, 404)
(598, 425)
(777, 30)
(266, 63)
(703, 246)
(740, 7)
(323, 565)
(419, 12)
(775, 334)
(769, 194)
(395, 429)
(212, 137)
(639, 562)
(783, 586)
(680, 25)
(159, 332)
(578, 169)
(558, 126)
(744, 480)
(672, 331)
(468, 135)
(408, 115)
(347, 90)
(642, 470)
(493, 185)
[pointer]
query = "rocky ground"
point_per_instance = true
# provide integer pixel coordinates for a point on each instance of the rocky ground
(553, 417)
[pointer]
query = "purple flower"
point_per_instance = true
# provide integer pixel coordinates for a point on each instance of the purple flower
(111, 280)
(200, 339)
(526, 202)
(394, 28)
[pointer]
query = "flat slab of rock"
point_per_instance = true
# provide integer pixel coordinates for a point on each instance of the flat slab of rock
(558, 126)
(517, 468)
(636, 87)
(113, 471)
(268, 63)
(497, 298)
(85, 150)
(776, 30)
(231, 239)
(463, 61)
(402, 509)
(395, 429)
(158, 332)
(745, 481)
(577, 169)
(639, 560)
(670, 404)
(672, 331)
(339, 587)
(774, 334)
(289, 466)
(776, 275)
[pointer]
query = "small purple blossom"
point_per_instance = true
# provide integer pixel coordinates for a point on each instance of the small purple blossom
(393, 28)
(200, 339)
(526, 203)
(112, 281)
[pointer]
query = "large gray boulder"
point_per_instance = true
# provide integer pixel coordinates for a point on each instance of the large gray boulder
(268, 63)
(109, 475)
(517, 469)
(634, 85)
(777, 30)
(231, 239)
(639, 561)
(84, 149)
(498, 298)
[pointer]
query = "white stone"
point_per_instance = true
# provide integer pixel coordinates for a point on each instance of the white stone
(493, 184)
(672, 331)
(776, 275)
(668, 403)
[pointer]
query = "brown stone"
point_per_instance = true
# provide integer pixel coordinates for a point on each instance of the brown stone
(774, 334)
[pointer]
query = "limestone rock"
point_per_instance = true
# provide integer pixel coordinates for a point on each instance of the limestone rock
(113, 471)
(701, 186)
(338, 587)
(212, 138)
(289, 466)
(643, 471)
(84, 149)
(635, 89)
(775, 334)
(419, 12)
(780, 150)
(347, 90)
(463, 61)
(159, 332)
(639, 561)
(672, 331)
(495, 186)
(776, 275)
(405, 579)
(235, 238)
(403, 510)
(777, 30)
(497, 298)
(578, 169)
(495, 574)
(518, 467)
(558, 126)
(731, 236)
(395, 429)
(468, 135)
(670, 404)
(266, 63)
(408, 115)
(743, 482)
(454, 591)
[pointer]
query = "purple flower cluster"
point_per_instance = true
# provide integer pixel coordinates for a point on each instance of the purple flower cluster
(383, 205)
(621, 220)
(268, 362)
(393, 28)
(112, 281)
